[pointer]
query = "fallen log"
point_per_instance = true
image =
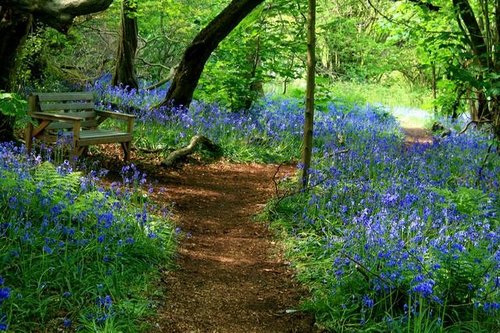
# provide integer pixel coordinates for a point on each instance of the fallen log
(197, 140)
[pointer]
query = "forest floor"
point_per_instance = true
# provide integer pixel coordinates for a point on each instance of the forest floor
(230, 274)
(417, 135)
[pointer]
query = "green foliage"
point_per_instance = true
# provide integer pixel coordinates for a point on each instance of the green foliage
(267, 45)
(74, 255)
(466, 200)
(12, 104)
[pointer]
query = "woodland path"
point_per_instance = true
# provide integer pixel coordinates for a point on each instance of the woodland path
(417, 135)
(230, 274)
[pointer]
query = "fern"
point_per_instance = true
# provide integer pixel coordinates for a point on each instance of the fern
(48, 178)
(467, 200)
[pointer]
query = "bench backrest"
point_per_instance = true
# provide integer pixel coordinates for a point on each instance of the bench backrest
(76, 104)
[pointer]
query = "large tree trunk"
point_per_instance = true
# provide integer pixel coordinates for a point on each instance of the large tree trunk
(14, 27)
(197, 53)
(127, 47)
(15, 20)
(484, 55)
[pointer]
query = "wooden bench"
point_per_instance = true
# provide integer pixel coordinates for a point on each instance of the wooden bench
(74, 118)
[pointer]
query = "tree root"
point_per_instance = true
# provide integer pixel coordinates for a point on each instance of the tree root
(198, 140)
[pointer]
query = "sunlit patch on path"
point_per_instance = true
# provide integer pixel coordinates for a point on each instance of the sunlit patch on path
(230, 275)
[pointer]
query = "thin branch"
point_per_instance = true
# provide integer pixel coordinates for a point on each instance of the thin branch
(483, 164)
(147, 63)
(473, 122)
(274, 179)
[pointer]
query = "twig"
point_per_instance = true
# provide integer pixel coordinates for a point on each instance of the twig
(276, 189)
(480, 173)
(473, 122)
(364, 270)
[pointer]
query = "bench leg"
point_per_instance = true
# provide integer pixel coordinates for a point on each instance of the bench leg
(76, 152)
(126, 150)
(28, 137)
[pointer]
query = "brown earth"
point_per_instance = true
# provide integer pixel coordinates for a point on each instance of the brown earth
(417, 135)
(230, 275)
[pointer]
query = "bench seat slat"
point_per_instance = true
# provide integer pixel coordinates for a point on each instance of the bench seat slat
(82, 114)
(64, 125)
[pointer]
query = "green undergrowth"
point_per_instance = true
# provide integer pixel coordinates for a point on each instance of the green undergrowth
(76, 255)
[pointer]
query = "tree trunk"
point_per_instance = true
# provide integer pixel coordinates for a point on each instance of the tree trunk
(311, 75)
(479, 43)
(256, 88)
(15, 21)
(197, 53)
(14, 27)
(127, 47)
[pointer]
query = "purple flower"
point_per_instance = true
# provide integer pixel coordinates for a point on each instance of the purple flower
(368, 302)
(67, 322)
(4, 294)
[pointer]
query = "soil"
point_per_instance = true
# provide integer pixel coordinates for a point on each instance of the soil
(417, 135)
(230, 274)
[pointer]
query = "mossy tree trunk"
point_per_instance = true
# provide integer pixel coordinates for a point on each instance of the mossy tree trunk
(125, 69)
(14, 27)
(197, 53)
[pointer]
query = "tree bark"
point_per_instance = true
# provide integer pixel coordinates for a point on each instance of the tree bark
(311, 75)
(198, 140)
(125, 69)
(197, 53)
(58, 14)
(16, 17)
(14, 27)
(478, 41)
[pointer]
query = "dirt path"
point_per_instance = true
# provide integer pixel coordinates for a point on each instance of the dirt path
(230, 276)
(417, 135)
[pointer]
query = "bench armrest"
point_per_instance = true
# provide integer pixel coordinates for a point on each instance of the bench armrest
(129, 118)
(116, 115)
(54, 117)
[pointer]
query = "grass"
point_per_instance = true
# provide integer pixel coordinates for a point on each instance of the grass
(76, 255)
(398, 94)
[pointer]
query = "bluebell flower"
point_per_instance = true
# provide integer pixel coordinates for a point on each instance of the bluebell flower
(47, 249)
(67, 322)
(368, 302)
(4, 294)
